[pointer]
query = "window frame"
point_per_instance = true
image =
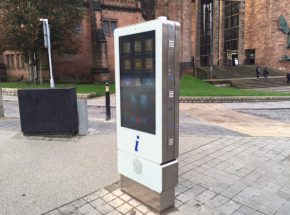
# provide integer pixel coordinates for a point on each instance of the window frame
(110, 22)
(231, 27)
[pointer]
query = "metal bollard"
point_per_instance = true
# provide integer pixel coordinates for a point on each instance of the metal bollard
(1, 104)
(108, 108)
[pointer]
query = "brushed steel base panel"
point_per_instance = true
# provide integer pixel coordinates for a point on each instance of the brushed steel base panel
(153, 199)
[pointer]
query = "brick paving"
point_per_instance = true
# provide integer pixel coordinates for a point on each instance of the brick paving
(231, 175)
(282, 115)
(279, 111)
(190, 125)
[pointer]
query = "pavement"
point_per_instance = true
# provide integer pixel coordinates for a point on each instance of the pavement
(283, 89)
(234, 159)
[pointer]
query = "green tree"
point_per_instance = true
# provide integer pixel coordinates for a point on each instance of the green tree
(22, 31)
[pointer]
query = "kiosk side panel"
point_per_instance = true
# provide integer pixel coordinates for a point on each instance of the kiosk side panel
(170, 91)
(176, 87)
(165, 146)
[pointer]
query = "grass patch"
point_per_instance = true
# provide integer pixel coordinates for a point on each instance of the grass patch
(81, 88)
(191, 86)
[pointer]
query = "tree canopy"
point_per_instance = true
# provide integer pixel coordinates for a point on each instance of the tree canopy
(22, 31)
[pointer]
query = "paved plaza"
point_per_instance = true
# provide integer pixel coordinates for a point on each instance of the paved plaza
(234, 159)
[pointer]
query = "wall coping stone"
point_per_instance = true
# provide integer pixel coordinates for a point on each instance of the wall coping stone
(232, 99)
(187, 99)
(13, 92)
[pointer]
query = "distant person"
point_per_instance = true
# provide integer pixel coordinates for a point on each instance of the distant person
(258, 72)
(265, 72)
(288, 77)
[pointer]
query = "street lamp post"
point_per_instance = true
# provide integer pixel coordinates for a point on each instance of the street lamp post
(47, 44)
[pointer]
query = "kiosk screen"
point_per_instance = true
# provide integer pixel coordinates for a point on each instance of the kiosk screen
(137, 81)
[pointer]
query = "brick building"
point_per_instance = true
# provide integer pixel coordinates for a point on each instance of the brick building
(213, 32)
(181, 11)
(95, 57)
(216, 32)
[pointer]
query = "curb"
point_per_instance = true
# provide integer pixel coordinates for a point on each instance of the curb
(13, 92)
(232, 99)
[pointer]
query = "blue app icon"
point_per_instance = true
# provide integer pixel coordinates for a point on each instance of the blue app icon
(133, 119)
(133, 100)
(144, 100)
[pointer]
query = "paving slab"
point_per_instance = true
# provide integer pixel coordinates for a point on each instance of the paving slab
(258, 105)
(101, 101)
(198, 194)
(37, 175)
(41, 173)
(282, 115)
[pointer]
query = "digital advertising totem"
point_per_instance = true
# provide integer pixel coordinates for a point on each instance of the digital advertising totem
(147, 110)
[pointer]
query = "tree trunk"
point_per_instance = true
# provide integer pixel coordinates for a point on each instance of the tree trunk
(35, 68)
(40, 67)
(34, 75)
(30, 76)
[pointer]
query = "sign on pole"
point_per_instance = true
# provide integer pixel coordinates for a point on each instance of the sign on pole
(47, 44)
(45, 34)
(147, 104)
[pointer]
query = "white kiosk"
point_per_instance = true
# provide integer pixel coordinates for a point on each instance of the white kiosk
(147, 110)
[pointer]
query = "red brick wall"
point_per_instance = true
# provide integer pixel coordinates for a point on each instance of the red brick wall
(14, 72)
(17, 71)
(262, 33)
(123, 18)
(193, 27)
(123, 3)
(1, 59)
(180, 11)
(77, 66)
(186, 31)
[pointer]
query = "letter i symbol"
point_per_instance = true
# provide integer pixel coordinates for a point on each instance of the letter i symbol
(137, 143)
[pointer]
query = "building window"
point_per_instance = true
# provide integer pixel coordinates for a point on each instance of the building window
(109, 26)
(206, 32)
(19, 61)
(79, 27)
(10, 61)
(231, 31)
(250, 56)
(7, 60)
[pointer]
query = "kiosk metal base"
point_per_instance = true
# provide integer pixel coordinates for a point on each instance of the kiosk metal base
(155, 200)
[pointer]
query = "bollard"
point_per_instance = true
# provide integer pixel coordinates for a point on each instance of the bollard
(108, 108)
(1, 105)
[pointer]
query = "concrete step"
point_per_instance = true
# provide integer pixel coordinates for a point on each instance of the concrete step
(261, 83)
(242, 71)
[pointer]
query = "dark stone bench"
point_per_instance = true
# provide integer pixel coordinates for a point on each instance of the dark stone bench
(48, 111)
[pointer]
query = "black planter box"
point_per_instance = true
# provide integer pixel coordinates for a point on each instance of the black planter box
(48, 111)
